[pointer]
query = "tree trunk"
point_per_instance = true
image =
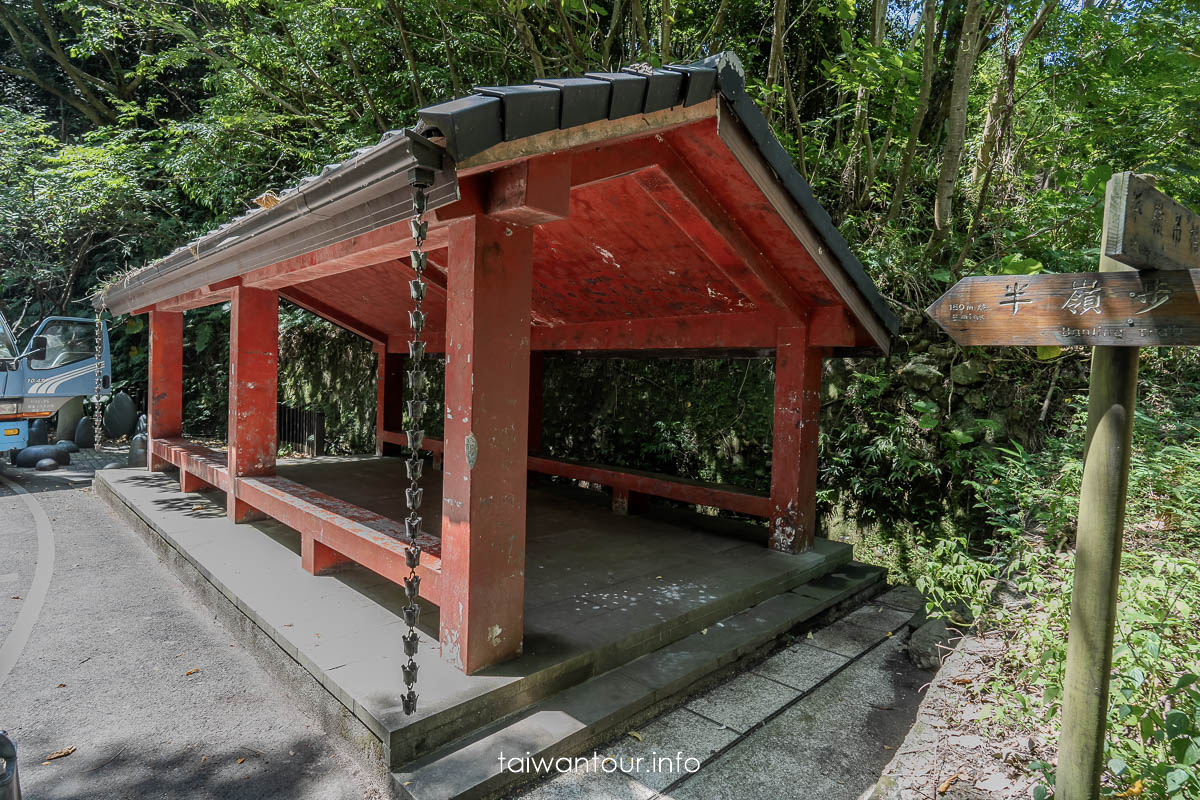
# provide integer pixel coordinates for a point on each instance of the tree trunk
(852, 173)
(964, 69)
(409, 55)
(1004, 89)
(665, 31)
(526, 36)
(775, 60)
(639, 26)
(614, 27)
(914, 128)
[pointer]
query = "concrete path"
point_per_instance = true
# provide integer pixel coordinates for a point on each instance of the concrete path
(123, 665)
(820, 718)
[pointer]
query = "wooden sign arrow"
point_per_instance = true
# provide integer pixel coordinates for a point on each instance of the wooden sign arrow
(1136, 309)
(1146, 229)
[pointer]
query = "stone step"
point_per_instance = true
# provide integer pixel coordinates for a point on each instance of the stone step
(568, 722)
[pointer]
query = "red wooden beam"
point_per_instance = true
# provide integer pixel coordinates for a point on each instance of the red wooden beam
(253, 380)
(165, 389)
(383, 244)
(392, 403)
(757, 330)
(701, 494)
(752, 330)
(400, 439)
(487, 414)
(663, 192)
(831, 326)
(647, 483)
(533, 191)
(793, 505)
(196, 298)
(297, 296)
(710, 209)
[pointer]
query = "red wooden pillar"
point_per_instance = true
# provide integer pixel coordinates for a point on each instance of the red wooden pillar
(486, 441)
(253, 392)
(537, 377)
(391, 400)
(164, 415)
(794, 450)
(380, 394)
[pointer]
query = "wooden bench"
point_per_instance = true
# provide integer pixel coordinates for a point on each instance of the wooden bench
(334, 532)
(199, 466)
(628, 483)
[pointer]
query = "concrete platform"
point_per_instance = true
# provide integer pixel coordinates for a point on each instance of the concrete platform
(628, 608)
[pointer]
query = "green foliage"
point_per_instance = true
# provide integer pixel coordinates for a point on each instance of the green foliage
(152, 122)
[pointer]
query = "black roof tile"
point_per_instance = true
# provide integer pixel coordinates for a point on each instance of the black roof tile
(628, 93)
(527, 110)
(583, 100)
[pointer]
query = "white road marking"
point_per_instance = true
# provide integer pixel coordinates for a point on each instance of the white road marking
(35, 598)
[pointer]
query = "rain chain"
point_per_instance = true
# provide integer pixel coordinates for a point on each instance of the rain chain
(416, 410)
(97, 413)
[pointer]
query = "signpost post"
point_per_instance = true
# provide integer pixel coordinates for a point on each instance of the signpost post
(1146, 293)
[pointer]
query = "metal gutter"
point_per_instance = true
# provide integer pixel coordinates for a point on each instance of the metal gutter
(244, 244)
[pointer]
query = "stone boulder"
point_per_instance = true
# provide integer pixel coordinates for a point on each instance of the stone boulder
(928, 644)
(67, 445)
(30, 456)
(68, 419)
(137, 450)
(120, 417)
(968, 372)
(38, 433)
(46, 464)
(920, 376)
(85, 433)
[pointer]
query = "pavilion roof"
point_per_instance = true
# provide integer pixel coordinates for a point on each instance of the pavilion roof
(370, 189)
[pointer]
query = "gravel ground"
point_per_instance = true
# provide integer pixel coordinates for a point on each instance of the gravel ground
(123, 665)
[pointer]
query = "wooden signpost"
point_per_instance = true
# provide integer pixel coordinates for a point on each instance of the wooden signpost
(1138, 309)
(1145, 294)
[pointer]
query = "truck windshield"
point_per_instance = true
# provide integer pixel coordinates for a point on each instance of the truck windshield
(7, 345)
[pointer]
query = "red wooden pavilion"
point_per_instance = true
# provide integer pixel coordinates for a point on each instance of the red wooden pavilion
(649, 210)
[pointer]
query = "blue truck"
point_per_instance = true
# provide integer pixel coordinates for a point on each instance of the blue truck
(58, 364)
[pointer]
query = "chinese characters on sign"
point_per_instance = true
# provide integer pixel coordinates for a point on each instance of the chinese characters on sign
(1146, 229)
(1083, 298)
(1013, 296)
(1153, 295)
(1107, 308)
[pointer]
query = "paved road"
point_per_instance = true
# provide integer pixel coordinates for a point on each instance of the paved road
(100, 658)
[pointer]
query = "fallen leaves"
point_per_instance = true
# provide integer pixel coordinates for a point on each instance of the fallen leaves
(635, 735)
(945, 785)
(241, 760)
(61, 686)
(191, 671)
(1133, 791)
(63, 753)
